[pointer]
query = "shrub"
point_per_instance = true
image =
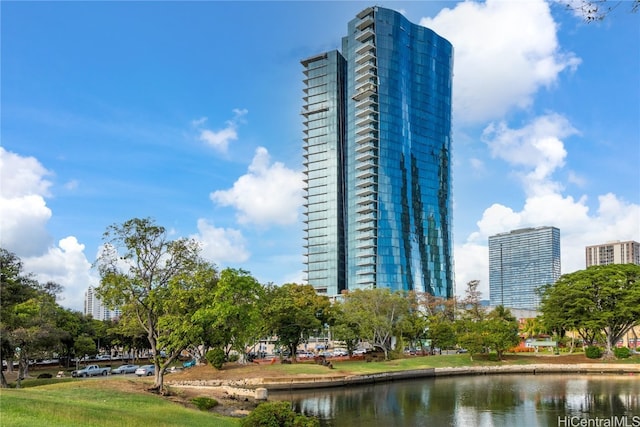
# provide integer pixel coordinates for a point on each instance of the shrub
(216, 357)
(277, 414)
(234, 357)
(621, 352)
(593, 352)
(493, 357)
(204, 403)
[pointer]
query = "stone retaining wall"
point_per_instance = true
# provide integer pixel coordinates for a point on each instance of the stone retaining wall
(300, 383)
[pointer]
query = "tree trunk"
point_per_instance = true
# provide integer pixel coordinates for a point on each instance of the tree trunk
(608, 354)
(159, 381)
(4, 383)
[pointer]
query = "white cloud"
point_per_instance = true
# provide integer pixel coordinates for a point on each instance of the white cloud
(505, 51)
(221, 138)
(71, 185)
(23, 229)
(68, 266)
(22, 176)
(269, 193)
(471, 264)
(477, 166)
(221, 245)
(23, 210)
(537, 148)
(615, 219)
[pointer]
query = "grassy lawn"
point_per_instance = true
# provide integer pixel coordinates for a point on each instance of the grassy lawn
(97, 403)
(442, 361)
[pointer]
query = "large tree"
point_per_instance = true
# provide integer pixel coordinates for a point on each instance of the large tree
(28, 314)
(233, 310)
(292, 312)
(149, 277)
(380, 315)
(601, 299)
(469, 324)
(502, 330)
(35, 328)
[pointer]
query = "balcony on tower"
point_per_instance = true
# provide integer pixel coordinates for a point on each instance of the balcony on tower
(366, 19)
(366, 34)
(366, 64)
(366, 90)
(371, 101)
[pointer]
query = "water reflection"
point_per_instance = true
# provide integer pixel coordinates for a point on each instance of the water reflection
(503, 400)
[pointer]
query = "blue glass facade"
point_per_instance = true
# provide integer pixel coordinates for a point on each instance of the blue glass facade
(323, 116)
(396, 186)
(520, 262)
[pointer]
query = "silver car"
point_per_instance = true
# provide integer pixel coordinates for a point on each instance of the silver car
(146, 370)
(125, 369)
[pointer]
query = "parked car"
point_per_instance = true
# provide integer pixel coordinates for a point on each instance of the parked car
(91, 371)
(146, 370)
(125, 369)
(103, 357)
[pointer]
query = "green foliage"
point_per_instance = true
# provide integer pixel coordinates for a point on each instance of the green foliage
(441, 332)
(593, 352)
(204, 403)
(216, 357)
(345, 328)
(232, 318)
(621, 352)
(602, 299)
(378, 313)
(292, 312)
(84, 344)
(157, 281)
(493, 357)
(277, 414)
(502, 330)
(470, 336)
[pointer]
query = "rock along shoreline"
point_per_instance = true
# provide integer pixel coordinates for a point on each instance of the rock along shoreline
(248, 386)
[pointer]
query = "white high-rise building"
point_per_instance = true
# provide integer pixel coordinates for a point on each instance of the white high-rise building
(616, 252)
(94, 307)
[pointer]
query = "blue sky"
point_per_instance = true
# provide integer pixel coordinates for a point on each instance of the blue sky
(189, 113)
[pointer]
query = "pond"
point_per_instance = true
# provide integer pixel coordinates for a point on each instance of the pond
(485, 400)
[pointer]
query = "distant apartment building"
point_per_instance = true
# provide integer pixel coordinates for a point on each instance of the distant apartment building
(94, 307)
(520, 262)
(616, 252)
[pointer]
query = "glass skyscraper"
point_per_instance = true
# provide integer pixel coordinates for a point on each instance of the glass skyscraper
(377, 153)
(520, 262)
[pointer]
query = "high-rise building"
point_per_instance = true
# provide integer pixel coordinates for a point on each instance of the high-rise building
(520, 262)
(93, 306)
(613, 253)
(377, 153)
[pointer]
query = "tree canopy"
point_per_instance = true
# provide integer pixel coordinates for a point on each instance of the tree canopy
(152, 279)
(380, 315)
(292, 312)
(603, 299)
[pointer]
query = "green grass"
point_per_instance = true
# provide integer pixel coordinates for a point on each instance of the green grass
(442, 361)
(89, 403)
